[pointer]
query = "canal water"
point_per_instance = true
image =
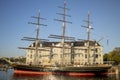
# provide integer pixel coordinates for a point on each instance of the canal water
(9, 75)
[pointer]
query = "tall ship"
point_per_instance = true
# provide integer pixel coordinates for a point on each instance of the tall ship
(67, 57)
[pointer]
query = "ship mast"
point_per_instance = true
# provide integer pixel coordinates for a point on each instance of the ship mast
(38, 24)
(63, 31)
(88, 36)
(36, 40)
(63, 37)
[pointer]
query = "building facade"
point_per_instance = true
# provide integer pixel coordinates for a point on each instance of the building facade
(76, 52)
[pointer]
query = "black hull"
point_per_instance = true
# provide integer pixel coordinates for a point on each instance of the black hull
(80, 71)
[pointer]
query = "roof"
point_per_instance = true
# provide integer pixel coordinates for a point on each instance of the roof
(74, 43)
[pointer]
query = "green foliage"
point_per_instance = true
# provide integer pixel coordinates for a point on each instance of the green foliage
(6, 60)
(20, 60)
(113, 56)
(105, 57)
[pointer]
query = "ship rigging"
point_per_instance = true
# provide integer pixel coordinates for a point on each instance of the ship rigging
(67, 57)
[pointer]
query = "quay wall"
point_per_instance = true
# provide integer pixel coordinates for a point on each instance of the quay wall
(114, 70)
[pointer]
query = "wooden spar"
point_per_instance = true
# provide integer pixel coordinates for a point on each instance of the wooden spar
(34, 39)
(60, 37)
(32, 48)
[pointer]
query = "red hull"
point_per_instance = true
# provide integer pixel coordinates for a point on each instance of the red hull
(23, 72)
(31, 72)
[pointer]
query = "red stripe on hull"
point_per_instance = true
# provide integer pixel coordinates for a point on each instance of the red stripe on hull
(86, 74)
(23, 72)
(31, 72)
(81, 74)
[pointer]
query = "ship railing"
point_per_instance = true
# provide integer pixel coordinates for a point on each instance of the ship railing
(98, 65)
(90, 65)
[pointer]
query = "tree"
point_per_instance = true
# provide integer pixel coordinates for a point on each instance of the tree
(113, 56)
(105, 57)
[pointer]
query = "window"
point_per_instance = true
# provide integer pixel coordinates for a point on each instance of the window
(31, 51)
(96, 50)
(39, 62)
(96, 55)
(30, 56)
(85, 50)
(100, 55)
(30, 63)
(85, 55)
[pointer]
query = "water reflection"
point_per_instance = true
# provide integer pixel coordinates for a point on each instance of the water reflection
(9, 75)
(62, 77)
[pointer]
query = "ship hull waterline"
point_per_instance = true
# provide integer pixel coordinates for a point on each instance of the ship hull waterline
(71, 71)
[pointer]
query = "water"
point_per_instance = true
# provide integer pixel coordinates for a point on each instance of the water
(9, 75)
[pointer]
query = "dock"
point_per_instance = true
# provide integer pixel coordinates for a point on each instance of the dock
(114, 70)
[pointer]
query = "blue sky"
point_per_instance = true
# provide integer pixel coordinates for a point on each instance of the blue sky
(15, 15)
